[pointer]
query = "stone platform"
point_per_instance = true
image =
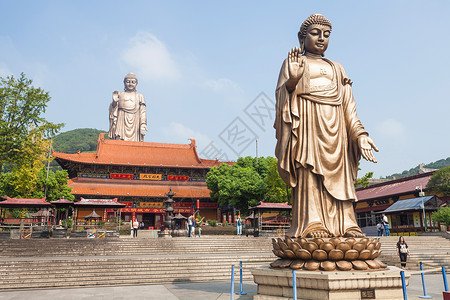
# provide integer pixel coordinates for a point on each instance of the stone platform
(377, 284)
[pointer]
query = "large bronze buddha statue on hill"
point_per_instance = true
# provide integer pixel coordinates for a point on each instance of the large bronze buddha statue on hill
(319, 137)
(127, 113)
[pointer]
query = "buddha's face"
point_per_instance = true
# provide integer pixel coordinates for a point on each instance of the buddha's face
(130, 84)
(316, 39)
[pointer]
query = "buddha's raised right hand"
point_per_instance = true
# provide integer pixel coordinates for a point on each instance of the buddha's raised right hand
(296, 67)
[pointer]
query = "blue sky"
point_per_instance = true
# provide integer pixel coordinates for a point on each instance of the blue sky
(203, 65)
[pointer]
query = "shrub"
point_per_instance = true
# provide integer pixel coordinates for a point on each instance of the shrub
(212, 223)
(225, 224)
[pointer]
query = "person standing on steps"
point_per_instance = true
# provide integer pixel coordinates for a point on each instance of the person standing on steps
(380, 228)
(135, 228)
(189, 226)
(402, 251)
(194, 223)
(239, 226)
(386, 225)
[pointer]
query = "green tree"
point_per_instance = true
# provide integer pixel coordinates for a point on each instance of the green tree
(277, 190)
(442, 215)
(21, 108)
(56, 184)
(236, 186)
(440, 181)
(260, 164)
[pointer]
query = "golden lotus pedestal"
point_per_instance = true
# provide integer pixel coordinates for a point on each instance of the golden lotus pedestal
(374, 284)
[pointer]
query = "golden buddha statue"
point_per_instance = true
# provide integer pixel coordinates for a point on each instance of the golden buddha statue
(320, 139)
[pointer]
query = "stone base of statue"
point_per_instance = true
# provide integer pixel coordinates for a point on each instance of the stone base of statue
(373, 284)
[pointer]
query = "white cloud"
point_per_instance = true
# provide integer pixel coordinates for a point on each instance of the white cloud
(391, 129)
(230, 90)
(177, 131)
(149, 58)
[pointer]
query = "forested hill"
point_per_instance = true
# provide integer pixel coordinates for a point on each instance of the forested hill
(84, 140)
(442, 163)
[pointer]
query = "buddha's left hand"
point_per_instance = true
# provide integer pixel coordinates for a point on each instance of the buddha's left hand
(366, 145)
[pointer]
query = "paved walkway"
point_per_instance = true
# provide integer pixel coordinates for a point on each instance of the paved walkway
(188, 291)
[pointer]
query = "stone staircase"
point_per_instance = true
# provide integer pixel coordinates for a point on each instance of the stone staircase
(87, 262)
(432, 251)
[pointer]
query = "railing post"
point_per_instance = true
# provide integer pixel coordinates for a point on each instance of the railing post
(294, 285)
(423, 284)
(232, 282)
(445, 279)
(241, 292)
(405, 295)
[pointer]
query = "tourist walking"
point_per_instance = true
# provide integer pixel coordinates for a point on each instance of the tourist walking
(380, 228)
(239, 226)
(402, 251)
(194, 222)
(386, 225)
(189, 226)
(135, 228)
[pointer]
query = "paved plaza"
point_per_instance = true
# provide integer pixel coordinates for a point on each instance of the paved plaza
(188, 291)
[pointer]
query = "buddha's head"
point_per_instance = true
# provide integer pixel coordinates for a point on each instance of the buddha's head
(130, 82)
(314, 34)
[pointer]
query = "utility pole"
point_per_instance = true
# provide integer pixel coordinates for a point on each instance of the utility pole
(421, 195)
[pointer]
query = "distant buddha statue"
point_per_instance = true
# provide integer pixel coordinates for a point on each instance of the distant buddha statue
(319, 137)
(127, 113)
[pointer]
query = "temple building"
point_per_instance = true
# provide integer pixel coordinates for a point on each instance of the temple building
(139, 174)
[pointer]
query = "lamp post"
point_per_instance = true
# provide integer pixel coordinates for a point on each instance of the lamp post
(421, 195)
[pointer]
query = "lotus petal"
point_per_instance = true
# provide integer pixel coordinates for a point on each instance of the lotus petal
(327, 246)
(344, 246)
(371, 247)
(303, 254)
(344, 265)
(336, 254)
(297, 264)
(365, 254)
(295, 246)
(290, 254)
(312, 265)
(319, 255)
(283, 245)
(276, 246)
(318, 241)
(350, 241)
(372, 264)
(288, 241)
(351, 254)
(359, 265)
(359, 246)
(381, 264)
(375, 254)
(310, 246)
(336, 241)
(378, 246)
(328, 265)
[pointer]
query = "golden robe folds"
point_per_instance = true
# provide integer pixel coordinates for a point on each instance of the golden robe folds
(317, 129)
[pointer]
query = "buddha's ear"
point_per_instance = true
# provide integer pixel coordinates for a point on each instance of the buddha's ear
(302, 43)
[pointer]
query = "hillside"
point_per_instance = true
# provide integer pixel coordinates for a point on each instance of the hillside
(84, 140)
(442, 163)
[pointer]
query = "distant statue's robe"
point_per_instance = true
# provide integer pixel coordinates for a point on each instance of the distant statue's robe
(317, 149)
(126, 115)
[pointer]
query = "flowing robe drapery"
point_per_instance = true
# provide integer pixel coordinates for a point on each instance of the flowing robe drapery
(317, 129)
(126, 117)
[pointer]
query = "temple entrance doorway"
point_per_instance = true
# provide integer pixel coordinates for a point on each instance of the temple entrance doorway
(149, 221)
